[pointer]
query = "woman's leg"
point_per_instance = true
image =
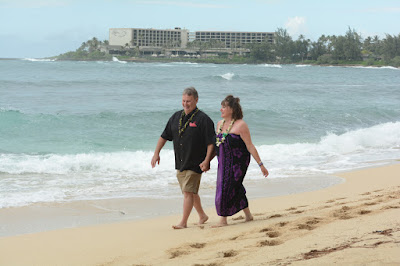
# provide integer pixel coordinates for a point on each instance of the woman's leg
(249, 216)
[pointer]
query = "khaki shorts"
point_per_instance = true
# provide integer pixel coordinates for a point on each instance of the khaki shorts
(189, 181)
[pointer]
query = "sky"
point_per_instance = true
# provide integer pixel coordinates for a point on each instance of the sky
(44, 28)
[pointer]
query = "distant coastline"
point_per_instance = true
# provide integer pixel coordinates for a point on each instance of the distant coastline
(202, 61)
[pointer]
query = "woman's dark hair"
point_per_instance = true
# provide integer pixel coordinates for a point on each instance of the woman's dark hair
(233, 103)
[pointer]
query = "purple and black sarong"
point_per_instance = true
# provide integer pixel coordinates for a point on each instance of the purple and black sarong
(233, 160)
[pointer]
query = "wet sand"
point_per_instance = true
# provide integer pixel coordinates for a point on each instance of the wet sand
(42, 217)
(356, 222)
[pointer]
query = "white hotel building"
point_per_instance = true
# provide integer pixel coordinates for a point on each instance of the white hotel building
(180, 38)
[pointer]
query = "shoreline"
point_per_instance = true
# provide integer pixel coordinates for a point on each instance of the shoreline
(354, 222)
(145, 60)
(49, 216)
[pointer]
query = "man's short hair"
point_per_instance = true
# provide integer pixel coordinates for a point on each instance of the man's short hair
(191, 91)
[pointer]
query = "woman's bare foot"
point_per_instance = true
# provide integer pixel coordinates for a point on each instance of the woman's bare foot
(179, 226)
(219, 225)
(249, 218)
(223, 221)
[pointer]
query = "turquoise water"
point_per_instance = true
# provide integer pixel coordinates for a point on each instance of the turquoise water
(87, 130)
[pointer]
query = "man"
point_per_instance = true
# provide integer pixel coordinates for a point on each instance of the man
(193, 136)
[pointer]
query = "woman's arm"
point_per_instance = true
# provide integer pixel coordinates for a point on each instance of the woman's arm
(245, 135)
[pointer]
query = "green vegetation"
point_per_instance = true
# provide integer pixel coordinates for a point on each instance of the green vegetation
(91, 50)
(349, 49)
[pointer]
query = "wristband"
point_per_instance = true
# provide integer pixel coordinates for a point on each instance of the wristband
(260, 163)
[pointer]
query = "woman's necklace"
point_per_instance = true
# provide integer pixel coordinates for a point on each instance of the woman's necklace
(182, 129)
(221, 140)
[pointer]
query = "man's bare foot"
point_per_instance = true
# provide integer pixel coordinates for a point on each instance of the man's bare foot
(219, 225)
(179, 226)
(203, 220)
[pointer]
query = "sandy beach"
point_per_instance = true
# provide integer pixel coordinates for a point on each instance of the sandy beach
(356, 222)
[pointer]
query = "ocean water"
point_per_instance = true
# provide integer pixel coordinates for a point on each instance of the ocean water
(74, 131)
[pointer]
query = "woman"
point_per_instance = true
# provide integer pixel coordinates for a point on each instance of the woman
(233, 149)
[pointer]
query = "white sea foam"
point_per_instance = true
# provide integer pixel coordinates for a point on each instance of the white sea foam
(26, 179)
(117, 60)
(272, 65)
(390, 67)
(354, 149)
(228, 76)
(184, 63)
(39, 60)
(375, 67)
(303, 65)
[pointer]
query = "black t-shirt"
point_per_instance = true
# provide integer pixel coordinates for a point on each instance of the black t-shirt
(191, 146)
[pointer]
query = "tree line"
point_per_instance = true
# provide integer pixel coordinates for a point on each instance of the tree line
(349, 48)
(93, 49)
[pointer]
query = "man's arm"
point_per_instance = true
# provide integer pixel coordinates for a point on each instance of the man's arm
(205, 165)
(156, 157)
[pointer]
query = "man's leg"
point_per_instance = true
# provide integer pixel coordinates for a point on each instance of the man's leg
(188, 201)
(197, 205)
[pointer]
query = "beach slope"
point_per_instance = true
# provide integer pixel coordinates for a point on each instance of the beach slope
(356, 222)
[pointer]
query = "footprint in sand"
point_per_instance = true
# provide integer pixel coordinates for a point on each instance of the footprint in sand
(314, 220)
(227, 254)
(362, 212)
(340, 198)
(273, 234)
(177, 253)
(282, 224)
(238, 218)
(267, 229)
(305, 227)
(370, 203)
(387, 232)
(309, 224)
(342, 213)
(269, 243)
(208, 264)
(198, 245)
(275, 216)
(390, 207)
(184, 250)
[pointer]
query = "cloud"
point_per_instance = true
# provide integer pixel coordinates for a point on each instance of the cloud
(182, 4)
(296, 26)
(382, 10)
